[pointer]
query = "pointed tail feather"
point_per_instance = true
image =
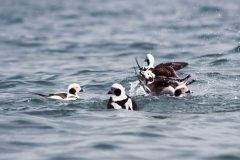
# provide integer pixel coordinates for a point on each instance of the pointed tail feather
(146, 89)
(186, 78)
(191, 82)
(184, 81)
(139, 67)
(39, 94)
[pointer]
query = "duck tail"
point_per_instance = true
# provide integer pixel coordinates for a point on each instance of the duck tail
(184, 80)
(39, 94)
(191, 82)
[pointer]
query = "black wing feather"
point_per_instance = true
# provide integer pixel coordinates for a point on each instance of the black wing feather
(175, 65)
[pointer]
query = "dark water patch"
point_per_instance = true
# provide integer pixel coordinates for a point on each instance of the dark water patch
(189, 27)
(171, 56)
(84, 57)
(220, 62)
(126, 54)
(7, 18)
(69, 46)
(210, 36)
(24, 144)
(12, 21)
(52, 112)
(12, 84)
(105, 146)
(69, 16)
(65, 49)
(212, 55)
(160, 117)
(21, 42)
(146, 134)
(214, 74)
(236, 49)
(107, 45)
(224, 157)
(149, 135)
(64, 157)
(24, 124)
(16, 77)
(193, 138)
(87, 71)
(51, 77)
(46, 82)
(106, 13)
(143, 45)
(97, 84)
(210, 9)
(6, 149)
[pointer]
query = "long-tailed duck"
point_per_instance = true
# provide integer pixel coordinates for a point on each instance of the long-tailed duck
(166, 85)
(162, 69)
(119, 99)
(71, 94)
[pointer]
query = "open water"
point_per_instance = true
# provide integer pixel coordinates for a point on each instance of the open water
(46, 45)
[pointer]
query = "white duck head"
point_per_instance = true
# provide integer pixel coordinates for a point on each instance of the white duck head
(74, 89)
(182, 89)
(150, 61)
(149, 76)
(117, 92)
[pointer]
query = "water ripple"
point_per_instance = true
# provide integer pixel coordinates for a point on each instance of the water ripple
(46, 45)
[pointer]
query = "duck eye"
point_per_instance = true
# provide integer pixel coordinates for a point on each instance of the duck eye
(117, 92)
(72, 91)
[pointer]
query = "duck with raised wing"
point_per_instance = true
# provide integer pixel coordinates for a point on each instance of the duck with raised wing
(162, 69)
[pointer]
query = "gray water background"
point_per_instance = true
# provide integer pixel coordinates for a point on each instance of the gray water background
(46, 45)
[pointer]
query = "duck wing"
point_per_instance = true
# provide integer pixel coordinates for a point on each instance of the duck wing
(134, 105)
(62, 95)
(165, 82)
(164, 70)
(175, 65)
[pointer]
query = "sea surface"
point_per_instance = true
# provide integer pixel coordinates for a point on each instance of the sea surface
(46, 45)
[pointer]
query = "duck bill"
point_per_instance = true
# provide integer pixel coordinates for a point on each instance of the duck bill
(109, 92)
(188, 92)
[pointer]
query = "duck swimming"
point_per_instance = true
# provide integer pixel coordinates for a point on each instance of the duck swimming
(162, 69)
(166, 85)
(119, 99)
(71, 94)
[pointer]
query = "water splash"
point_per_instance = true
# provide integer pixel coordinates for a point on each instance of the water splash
(136, 89)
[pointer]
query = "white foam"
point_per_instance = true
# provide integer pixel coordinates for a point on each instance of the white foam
(136, 89)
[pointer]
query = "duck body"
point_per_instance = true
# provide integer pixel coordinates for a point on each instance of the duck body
(71, 94)
(163, 69)
(128, 104)
(166, 85)
(119, 99)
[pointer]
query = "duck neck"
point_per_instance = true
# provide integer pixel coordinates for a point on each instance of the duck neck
(119, 98)
(150, 64)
